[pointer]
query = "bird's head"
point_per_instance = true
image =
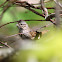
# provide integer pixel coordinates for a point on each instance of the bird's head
(22, 25)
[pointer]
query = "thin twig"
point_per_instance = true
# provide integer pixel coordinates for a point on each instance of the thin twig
(44, 8)
(5, 44)
(4, 10)
(30, 9)
(18, 21)
(13, 35)
(58, 3)
(30, 31)
(24, 20)
(44, 26)
(3, 3)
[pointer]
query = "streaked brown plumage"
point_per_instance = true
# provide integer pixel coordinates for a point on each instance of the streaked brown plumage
(27, 33)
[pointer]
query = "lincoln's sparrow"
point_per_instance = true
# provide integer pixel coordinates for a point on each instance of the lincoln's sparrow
(27, 33)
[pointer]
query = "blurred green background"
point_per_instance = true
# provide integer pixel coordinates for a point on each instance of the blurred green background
(46, 49)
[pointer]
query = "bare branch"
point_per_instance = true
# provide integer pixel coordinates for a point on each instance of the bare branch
(28, 7)
(18, 21)
(57, 13)
(43, 8)
(3, 3)
(58, 3)
(7, 6)
(5, 44)
(44, 26)
(14, 35)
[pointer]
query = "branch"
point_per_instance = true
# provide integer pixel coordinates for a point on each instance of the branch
(44, 8)
(50, 16)
(58, 3)
(4, 10)
(44, 26)
(3, 3)
(28, 7)
(14, 35)
(5, 44)
(7, 6)
(18, 21)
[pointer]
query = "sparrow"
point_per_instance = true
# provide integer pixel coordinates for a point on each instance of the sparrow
(27, 33)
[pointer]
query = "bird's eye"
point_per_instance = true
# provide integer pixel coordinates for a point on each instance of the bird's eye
(21, 24)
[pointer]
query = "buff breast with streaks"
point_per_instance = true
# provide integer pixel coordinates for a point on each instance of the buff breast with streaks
(27, 33)
(24, 29)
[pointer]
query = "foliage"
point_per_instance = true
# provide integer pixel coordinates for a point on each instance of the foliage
(46, 49)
